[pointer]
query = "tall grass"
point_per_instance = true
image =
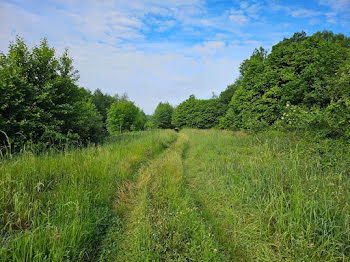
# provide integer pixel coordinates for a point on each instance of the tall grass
(272, 196)
(57, 206)
(211, 196)
(161, 220)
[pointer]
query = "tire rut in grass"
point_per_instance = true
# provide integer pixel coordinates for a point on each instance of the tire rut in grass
(161, 220)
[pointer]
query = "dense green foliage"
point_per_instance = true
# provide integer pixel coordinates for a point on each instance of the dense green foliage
(197, 113)
(57, 206)
(226, 95)
(125, 116)
(40, 102)
(162, 115)
(302, 84)
(103, 103)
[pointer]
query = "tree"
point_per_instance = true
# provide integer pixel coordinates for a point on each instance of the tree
(226, 95)
(302, 71)
(197, 113)
(121, 117)
(162, 115)
(140, 121)
(40, 101)
(103, 103)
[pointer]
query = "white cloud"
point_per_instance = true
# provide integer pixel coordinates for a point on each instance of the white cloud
(150, 78)
(338, 5)
(244, 4)
(253, 10)
(331, 17)
(238, 17)
(245, 13)
(209, 47)
(301, 12)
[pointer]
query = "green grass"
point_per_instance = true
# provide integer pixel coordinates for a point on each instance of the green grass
(210, 196)
(161, 220)
(57, 206)
(272, 197)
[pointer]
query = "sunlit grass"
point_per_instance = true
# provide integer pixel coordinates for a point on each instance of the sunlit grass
(161, 221)
(57, 206)
(210, 196)
(272, 197)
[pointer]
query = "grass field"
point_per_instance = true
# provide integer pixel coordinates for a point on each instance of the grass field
(200, 195)
(57, 206)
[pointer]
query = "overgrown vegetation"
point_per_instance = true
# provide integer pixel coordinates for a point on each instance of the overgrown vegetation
(57, 206)
(162, 222)
(272, 196)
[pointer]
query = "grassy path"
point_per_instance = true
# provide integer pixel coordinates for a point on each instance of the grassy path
(161, 220)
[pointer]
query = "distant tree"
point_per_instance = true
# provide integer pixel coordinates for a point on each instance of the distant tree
(140, 121)
(197, 113)
(162, 115)
(122, 116)
(184, 113)
(103, 102)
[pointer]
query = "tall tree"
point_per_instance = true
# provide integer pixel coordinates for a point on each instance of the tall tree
(122, 116)
(40, 101)
(162, 115)
(301, 71)
(103, 102)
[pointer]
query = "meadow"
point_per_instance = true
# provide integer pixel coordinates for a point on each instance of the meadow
(57, 206)
(197, 195)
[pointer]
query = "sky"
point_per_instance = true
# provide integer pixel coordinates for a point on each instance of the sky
(164, 50)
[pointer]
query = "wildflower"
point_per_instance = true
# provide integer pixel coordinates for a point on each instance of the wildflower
(215, 250)
(282, 117)
(290, 122)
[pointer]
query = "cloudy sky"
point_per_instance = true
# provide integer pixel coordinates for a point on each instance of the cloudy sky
(164, 50)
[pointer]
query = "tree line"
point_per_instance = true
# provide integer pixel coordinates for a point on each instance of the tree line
(41, 104)
(302, 84)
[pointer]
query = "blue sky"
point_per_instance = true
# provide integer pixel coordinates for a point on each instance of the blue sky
(164, 50)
